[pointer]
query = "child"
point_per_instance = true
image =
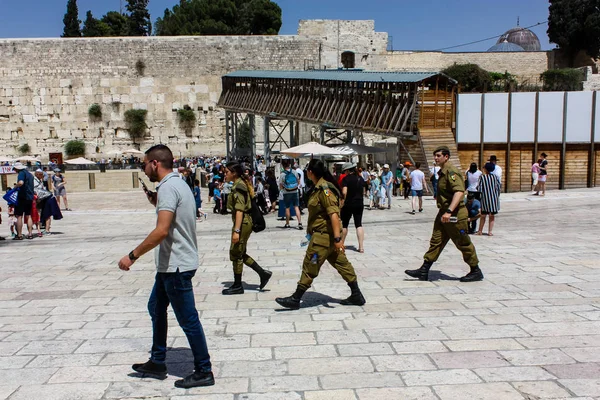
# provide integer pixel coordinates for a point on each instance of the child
(373, 191)
(197, 194)
(35, 216)
(217, 198)
(12, 220)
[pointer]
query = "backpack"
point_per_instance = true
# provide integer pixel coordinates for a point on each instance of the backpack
(290, 181)
(258, 221)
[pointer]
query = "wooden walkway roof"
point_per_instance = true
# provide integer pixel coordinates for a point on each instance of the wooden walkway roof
(378, 102)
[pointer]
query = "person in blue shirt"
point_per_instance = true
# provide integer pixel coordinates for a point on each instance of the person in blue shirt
(474, 209)
(217, 198)
(198, 199)
(387, 182)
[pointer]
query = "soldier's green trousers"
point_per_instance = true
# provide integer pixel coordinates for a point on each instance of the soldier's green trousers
(237, 251)
(322, 245)
(457, 232)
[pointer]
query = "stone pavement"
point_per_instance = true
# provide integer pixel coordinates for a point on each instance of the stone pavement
(72, 323)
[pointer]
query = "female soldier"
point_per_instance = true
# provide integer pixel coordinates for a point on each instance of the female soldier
(238, 202)
(325, 231)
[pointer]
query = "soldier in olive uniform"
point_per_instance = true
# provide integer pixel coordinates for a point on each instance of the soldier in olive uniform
(325, 231)
(238, 202)
(450, 201)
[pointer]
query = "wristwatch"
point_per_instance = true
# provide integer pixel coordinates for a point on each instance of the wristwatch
(237, 230)
(449, 211)
(337, 239)
(132, 257)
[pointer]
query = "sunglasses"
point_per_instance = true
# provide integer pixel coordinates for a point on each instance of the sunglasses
(143, 165)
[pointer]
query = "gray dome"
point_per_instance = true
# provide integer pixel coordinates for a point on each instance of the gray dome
(505, 47)
(521, 37)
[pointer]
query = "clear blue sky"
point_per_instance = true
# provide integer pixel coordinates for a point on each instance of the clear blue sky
(414, 24)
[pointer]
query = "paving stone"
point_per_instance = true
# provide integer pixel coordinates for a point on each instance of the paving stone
(501, 391)
(323, 366)
(284, 383)
(282, 339)
(74, 391)
(330, 395)
(405, 362)
(366, 349)
(362, 380)
(482, 344)
(268, 396)
(233, 369)
(483, 332)
(405, 334)
(582, 387)
(508, 374)
(536, 357)
(574, 371)
(14, 361)
(412, 393)
(469, 359)
(66, 360)
(541, 390)
(440, 377)
(341, 337)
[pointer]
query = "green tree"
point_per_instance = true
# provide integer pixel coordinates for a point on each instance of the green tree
(471, 77)
(139, 18)
(220, 17)
(574, 25)
(260, 17)
(71, 20)
(111, 24)
(91, 26)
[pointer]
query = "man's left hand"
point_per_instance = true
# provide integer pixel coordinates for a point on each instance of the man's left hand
(446, 218)
(125, 263)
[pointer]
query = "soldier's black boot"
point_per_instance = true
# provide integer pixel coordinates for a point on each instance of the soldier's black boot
(356, 298)
(293, 301)
(422, 273)
(473, 276)
(262, 273)
(236, 288)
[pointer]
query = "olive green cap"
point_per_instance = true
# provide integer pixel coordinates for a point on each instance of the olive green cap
(441, 148)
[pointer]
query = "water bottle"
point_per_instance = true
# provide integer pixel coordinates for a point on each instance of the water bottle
(304, 242)
(314, 259)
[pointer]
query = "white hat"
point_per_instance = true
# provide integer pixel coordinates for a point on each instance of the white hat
(39, 170)
(19, 166)
(386, 165)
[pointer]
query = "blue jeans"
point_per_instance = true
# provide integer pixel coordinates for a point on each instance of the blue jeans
(176, 288)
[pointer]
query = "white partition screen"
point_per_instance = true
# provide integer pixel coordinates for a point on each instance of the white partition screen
(496, 118)
(523, 118)
(550, 117)
(579, 116)
(468, 120)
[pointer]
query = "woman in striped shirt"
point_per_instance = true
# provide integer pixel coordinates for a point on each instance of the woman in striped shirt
(489, 187)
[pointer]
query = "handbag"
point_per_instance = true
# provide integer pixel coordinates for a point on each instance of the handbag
(42, 194)
(11, 196)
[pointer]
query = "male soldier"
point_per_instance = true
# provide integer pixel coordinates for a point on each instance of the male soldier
(451, 188)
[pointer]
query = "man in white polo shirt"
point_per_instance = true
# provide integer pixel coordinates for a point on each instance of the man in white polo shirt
(176, 263)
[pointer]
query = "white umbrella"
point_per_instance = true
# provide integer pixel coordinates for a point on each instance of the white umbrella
(114, 153)
(79, 161)
(311, 149)
(26, 158)
(352, 149)
(5, 159)
(133, 151)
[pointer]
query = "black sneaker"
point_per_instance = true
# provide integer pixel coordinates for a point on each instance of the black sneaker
(151, 368)
(195, 380)
(288, 302)
(300, 227)
(233, 290)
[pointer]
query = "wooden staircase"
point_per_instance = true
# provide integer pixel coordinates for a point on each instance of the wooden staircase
(421, 149)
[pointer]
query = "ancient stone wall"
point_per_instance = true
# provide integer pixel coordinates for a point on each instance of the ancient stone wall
(48, 85)
(526, 65)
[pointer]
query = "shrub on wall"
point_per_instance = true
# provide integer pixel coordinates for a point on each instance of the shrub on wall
(24, 148)
(187, 118)
(75, 148)
(563, 79)
(136, 122)
(95, 112)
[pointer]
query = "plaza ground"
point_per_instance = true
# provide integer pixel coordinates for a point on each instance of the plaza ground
(72, 323)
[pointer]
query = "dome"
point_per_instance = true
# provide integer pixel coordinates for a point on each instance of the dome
(521, 37)
(505, 46)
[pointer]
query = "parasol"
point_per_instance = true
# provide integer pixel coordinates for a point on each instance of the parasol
(79, 161)
(311, 149)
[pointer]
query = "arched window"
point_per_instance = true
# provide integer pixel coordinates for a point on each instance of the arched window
(348, 59)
